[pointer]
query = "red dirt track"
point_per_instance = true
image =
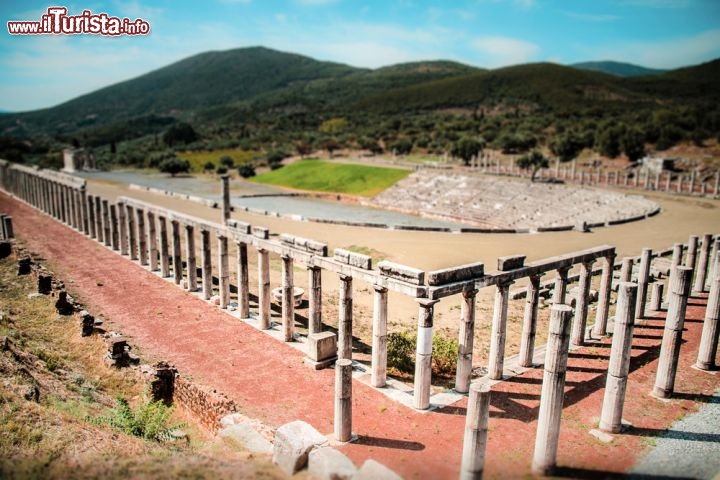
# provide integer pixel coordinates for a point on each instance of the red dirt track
(269, 381)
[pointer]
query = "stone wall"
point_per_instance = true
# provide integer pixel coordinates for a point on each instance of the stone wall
(208, 406)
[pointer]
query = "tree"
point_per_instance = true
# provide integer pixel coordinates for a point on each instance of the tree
(303, 147)
(607, 142)
(174, 165)
(632, 143)
(246, 170)
(533, 161)
(330, 144)
(180, 133)
(466, 148)
(275, 158)
(401, 146)
(367, 143)
(566, 147)
(209, 166)
(227, 161)
(333, 126)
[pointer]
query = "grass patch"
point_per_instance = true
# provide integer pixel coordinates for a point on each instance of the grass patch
(198, 159)
(401, 354)
(320, 176)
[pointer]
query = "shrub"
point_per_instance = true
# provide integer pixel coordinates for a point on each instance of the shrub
(173, 166)
(209, 166)
(247, 170)
(221, 170)
(401, 353)
(227, 161)
(150, 420)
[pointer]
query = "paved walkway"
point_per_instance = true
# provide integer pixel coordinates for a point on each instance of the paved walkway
(269, 381)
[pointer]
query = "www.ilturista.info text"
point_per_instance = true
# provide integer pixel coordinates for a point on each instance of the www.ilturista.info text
(57, 21)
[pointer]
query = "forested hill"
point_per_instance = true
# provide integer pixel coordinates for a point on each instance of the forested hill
(256, 97)
(619, 69)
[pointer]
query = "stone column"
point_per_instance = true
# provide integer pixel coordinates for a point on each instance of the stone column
(152, 241)
(343, 400)
(206, 260)
(560, 285)
(476, 429)
(499, 327)
(581, 304)
(225, 197)
(527, 341)
(642, 282)
(573, 167)
(656, 185)
(691, 189)
(122, 223)
(616, 382)
(709, 339)
(99, 220)
(91, 215)
(691, 259)
(114, 227)
(164, 248)
(345, 320)
(176, 248)
(191, 257)
(626, 269)
(106, 223)
(423, 354)
(463, 373)
(703, 260)
(288, 301)
(669, 180)
(679, 184)
(603, 306)
(656, 297)
(142, 237)
(315, 300)
(243, 280)
(224, 273)
(672, 335)
(84, 209)
(264, 288)
(676, 261)
(646, 183)
(132, 243)
(378, 376)
(553, 391)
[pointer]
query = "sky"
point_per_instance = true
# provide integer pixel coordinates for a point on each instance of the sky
(40, 71)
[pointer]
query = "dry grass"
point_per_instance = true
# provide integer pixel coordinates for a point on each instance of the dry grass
(50, 437)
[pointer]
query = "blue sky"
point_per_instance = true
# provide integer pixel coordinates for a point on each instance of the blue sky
(42, 71)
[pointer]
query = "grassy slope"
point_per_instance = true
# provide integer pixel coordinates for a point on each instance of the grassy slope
(320, 176)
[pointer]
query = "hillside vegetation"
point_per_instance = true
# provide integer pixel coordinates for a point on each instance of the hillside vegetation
(258, 99)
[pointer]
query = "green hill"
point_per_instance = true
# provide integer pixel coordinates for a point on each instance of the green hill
(618, 69)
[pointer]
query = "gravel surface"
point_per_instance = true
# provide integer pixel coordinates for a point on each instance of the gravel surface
(689, 449)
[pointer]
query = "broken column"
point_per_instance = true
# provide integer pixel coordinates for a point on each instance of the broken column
(616, 382)
(672, 334)
(553, 391)
(656, 297)
(703, 260)
(343, 400)
(691, 259)
(475, 436)
(626, 269)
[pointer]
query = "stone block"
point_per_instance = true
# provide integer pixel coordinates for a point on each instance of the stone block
(456, 274)
(44, 285)
(116, 347)
(351, 258)
(247, 438)
(402, 272)
(287, 239)
(261, 232)
(293, 442)
(317, 248)
(510, 262)
(24, 266)
(372, 470)
(241, 227)
(321, 349)
(5, 249)
(329, 464)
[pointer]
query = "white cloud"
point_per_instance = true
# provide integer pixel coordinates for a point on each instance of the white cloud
(672, 53)
(503, 51)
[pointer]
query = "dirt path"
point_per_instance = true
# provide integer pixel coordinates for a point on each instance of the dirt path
(268, 380)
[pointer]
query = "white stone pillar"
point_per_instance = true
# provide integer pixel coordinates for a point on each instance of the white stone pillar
(314, 300)
(378, 376)
(122, 222)
(345, 320)
(581, 304)
(132, 239)
(423, 354)
(343, 400)
(243, 279)
(142, 237)
(560, 285)
(177, 249)
(616, 382)
(553, 391)
(527, 340)
(603, 306)
(672, 334)
(498, 335)
(642, 282)
(288, 301)
(476, 429)
(206, 261)
(710, 332)
(264, 288)
(164, 248)
(152, 242)
(703, 260)
(224, 273)
(114, 227)
(463, 373)
(225, 197)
